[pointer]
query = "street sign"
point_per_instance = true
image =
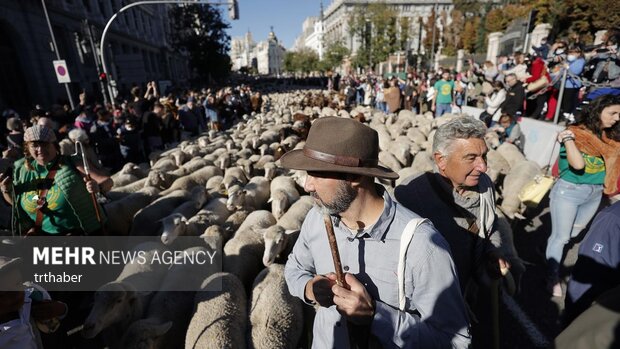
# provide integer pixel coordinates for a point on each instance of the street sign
(62, 73)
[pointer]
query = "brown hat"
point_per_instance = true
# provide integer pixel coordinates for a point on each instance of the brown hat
(339, 145)
(38, 133)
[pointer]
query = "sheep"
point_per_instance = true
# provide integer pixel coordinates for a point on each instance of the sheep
(283, 195)
(121, 212)
(195, 164)
(276, 317)
(165, 164)
(492, 139)
(234, 175)
(199, 177)
(127, 175)
(401, 151)
(496, 165)
(118, 303)
(216, 210)
(234, 221)
(163, 180)
(511, 153)
(169, 312)
(416, 136)
(147, 220)
(118, 193)
(219, 317)
(515, 180)
(252, 196)
(244, 252)
(388, 160)
(423, 162)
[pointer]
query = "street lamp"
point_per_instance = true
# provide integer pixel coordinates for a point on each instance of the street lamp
(233, 8)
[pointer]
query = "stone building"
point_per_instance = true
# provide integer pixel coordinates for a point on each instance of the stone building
(333, 23)
(266, 57)
(137, 51)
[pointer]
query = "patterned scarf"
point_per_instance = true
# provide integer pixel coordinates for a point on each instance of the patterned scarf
(589, 143)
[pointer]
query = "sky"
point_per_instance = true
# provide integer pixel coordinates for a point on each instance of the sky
(286, 17)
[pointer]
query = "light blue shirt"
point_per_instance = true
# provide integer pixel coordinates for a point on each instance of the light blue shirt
(435, 315)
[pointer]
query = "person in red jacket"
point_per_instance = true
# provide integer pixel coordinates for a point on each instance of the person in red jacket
(536, 69)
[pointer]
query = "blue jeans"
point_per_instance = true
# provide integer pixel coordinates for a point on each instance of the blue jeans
(442, 108)
(572, 207)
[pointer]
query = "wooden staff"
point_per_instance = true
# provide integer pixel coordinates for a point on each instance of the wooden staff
(80, 148)
(333, 246)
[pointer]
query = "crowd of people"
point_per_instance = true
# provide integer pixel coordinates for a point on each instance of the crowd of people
(450, 258)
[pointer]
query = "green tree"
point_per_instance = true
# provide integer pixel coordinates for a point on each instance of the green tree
(405, 32)
(302, 61)
(334, 54)
(201, 31)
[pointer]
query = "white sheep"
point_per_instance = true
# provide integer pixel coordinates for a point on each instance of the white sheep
(120, 213)
(234, 175)
(118, 303)
(252, 196)
(276, 317)
(511, 153)
(520, 174)
(388, 160)
(283, 194)
(147, 221)
(496, 165)
(244, 252)
(198, 178)
(219, 318)
(214, 185)
(279, 239)
(169, 312)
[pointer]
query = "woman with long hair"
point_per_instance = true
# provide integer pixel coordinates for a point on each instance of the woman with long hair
(589, 167)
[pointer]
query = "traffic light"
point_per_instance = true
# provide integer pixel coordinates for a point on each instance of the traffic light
(233, 9)
(103, 77)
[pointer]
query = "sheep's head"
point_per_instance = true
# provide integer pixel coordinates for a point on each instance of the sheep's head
(158, 179)
(279, 203)
(113, 302)
(236, 198)
(213, 235)
(275, 243)
(200, 195)
(174, 225)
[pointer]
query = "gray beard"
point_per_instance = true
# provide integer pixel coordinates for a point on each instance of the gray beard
(345, 195)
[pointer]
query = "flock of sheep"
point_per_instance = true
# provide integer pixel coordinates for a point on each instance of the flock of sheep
(228, 185)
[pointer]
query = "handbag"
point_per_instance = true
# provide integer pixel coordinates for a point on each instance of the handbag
(535, 190)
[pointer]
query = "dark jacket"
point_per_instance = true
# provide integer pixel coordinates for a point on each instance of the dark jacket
(514, 99)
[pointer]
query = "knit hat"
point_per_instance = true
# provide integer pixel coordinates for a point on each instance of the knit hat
(38, 133)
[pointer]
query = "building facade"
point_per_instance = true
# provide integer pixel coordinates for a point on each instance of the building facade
(137, 49)
(332, 25)
(266, 57)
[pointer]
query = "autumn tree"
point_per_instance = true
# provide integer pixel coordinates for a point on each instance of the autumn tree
(453, 33)
(429, 26)
(470, 34)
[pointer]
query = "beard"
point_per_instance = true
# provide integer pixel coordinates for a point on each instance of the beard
(345, 195)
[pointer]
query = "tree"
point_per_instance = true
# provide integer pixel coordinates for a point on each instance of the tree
(453, 33)
(470, 34)
(405, 31)
(303, 61)
(429, 26)
(494, 21)
(335, 52)
(200, 30)
(470, 8)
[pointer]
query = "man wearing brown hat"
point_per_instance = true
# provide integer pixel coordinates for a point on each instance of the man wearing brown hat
(389, 299)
